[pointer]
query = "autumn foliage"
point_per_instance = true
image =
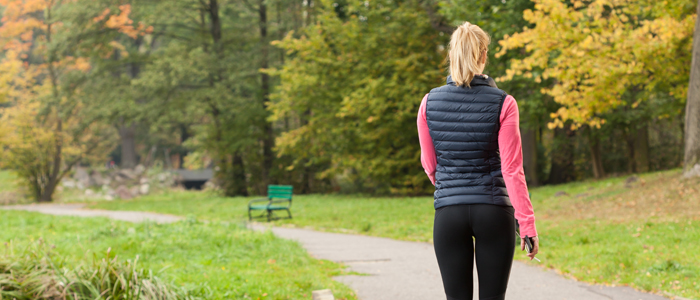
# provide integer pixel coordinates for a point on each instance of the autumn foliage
(604, 54)
(46, 131)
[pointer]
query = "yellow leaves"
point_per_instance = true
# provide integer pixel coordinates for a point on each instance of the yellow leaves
(81, 64)
(594, 58)
(123, 23)
(120, 47)
(102, 16)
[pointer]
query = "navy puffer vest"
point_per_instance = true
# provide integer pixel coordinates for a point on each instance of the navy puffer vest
(464, 124)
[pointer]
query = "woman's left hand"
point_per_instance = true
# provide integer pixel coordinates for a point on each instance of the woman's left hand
(535, 246)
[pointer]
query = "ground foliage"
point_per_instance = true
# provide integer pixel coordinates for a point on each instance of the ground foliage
(212, 260)
(37, 272)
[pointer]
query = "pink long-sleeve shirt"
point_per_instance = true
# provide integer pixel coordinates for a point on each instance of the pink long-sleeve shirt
(511, 160)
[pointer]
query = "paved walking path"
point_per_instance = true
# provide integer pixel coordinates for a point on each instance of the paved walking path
(396, 270)
(77, 210)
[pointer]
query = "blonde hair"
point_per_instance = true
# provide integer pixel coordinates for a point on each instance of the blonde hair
(468, 45)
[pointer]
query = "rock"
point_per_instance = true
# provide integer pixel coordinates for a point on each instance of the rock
(630, 180)
(123, 192)
(210, 185)
(96, 179)
(82, 177)
(109, 197)
(692, 172)
(162, 177)
(322, 295)
(125, 174)
(581, 195)
(144, 189)
(144, 180)
(561, 193)
(89, 193)
(118, 178)
(134, 190)
(68, 183)
(139, 170)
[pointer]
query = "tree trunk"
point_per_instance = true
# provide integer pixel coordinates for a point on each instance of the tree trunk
(562, 157)
(629, 137)
(308, 174)
(691, 161)
(128, 141)
(268, 133)
(55, 170)
(238, 174)
(641, 149)
(530, 157)
(596, 157)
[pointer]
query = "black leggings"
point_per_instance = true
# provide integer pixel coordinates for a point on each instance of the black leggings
(493, 229)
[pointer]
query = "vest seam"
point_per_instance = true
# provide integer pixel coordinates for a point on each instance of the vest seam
(460, 122)
(498, 149)
(470, 102)
(462, 131)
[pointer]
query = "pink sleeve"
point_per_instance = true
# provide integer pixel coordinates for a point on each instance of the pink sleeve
(512, 166)
(427, 149)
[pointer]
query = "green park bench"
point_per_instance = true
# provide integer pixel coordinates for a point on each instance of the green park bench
(279, 197)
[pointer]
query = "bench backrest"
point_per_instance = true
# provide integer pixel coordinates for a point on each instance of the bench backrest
(279, 192)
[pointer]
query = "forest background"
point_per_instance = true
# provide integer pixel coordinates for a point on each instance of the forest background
(323, 95)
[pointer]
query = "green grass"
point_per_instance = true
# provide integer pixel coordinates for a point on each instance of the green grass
(217, 260)
(7, 183)
(399, 218)
(642, 234)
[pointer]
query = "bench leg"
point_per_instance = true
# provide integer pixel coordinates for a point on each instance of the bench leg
(289, 213)
(250, 216)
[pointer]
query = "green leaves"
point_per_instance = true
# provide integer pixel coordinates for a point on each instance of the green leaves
(355, 85)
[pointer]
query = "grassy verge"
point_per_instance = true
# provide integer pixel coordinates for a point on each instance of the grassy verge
(215, 260)
(7, 181)
(642, 233)
(8, 188)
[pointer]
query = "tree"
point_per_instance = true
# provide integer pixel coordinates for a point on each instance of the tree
(499, 19)
(691, 161)
(609, 61)
(50, 130)
(600, 51)
(354, 81)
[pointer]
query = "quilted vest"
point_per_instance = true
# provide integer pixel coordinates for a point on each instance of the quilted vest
(464, 123)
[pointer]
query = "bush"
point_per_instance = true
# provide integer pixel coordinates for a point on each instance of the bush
(38, 273)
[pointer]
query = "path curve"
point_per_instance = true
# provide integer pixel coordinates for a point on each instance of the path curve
(395, 269)
(409, 270)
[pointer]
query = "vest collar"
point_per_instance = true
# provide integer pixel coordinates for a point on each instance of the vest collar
(477, 80)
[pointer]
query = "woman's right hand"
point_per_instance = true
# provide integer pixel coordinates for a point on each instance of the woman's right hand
(535, 246)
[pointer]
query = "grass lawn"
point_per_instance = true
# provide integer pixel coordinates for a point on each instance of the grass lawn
(215, 260)
(7, 181)
(8, 188)
(643, 234)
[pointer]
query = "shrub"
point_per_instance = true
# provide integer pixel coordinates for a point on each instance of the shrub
(38, 273)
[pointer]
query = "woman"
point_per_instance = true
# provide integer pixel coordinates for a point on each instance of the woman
(470, 148)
